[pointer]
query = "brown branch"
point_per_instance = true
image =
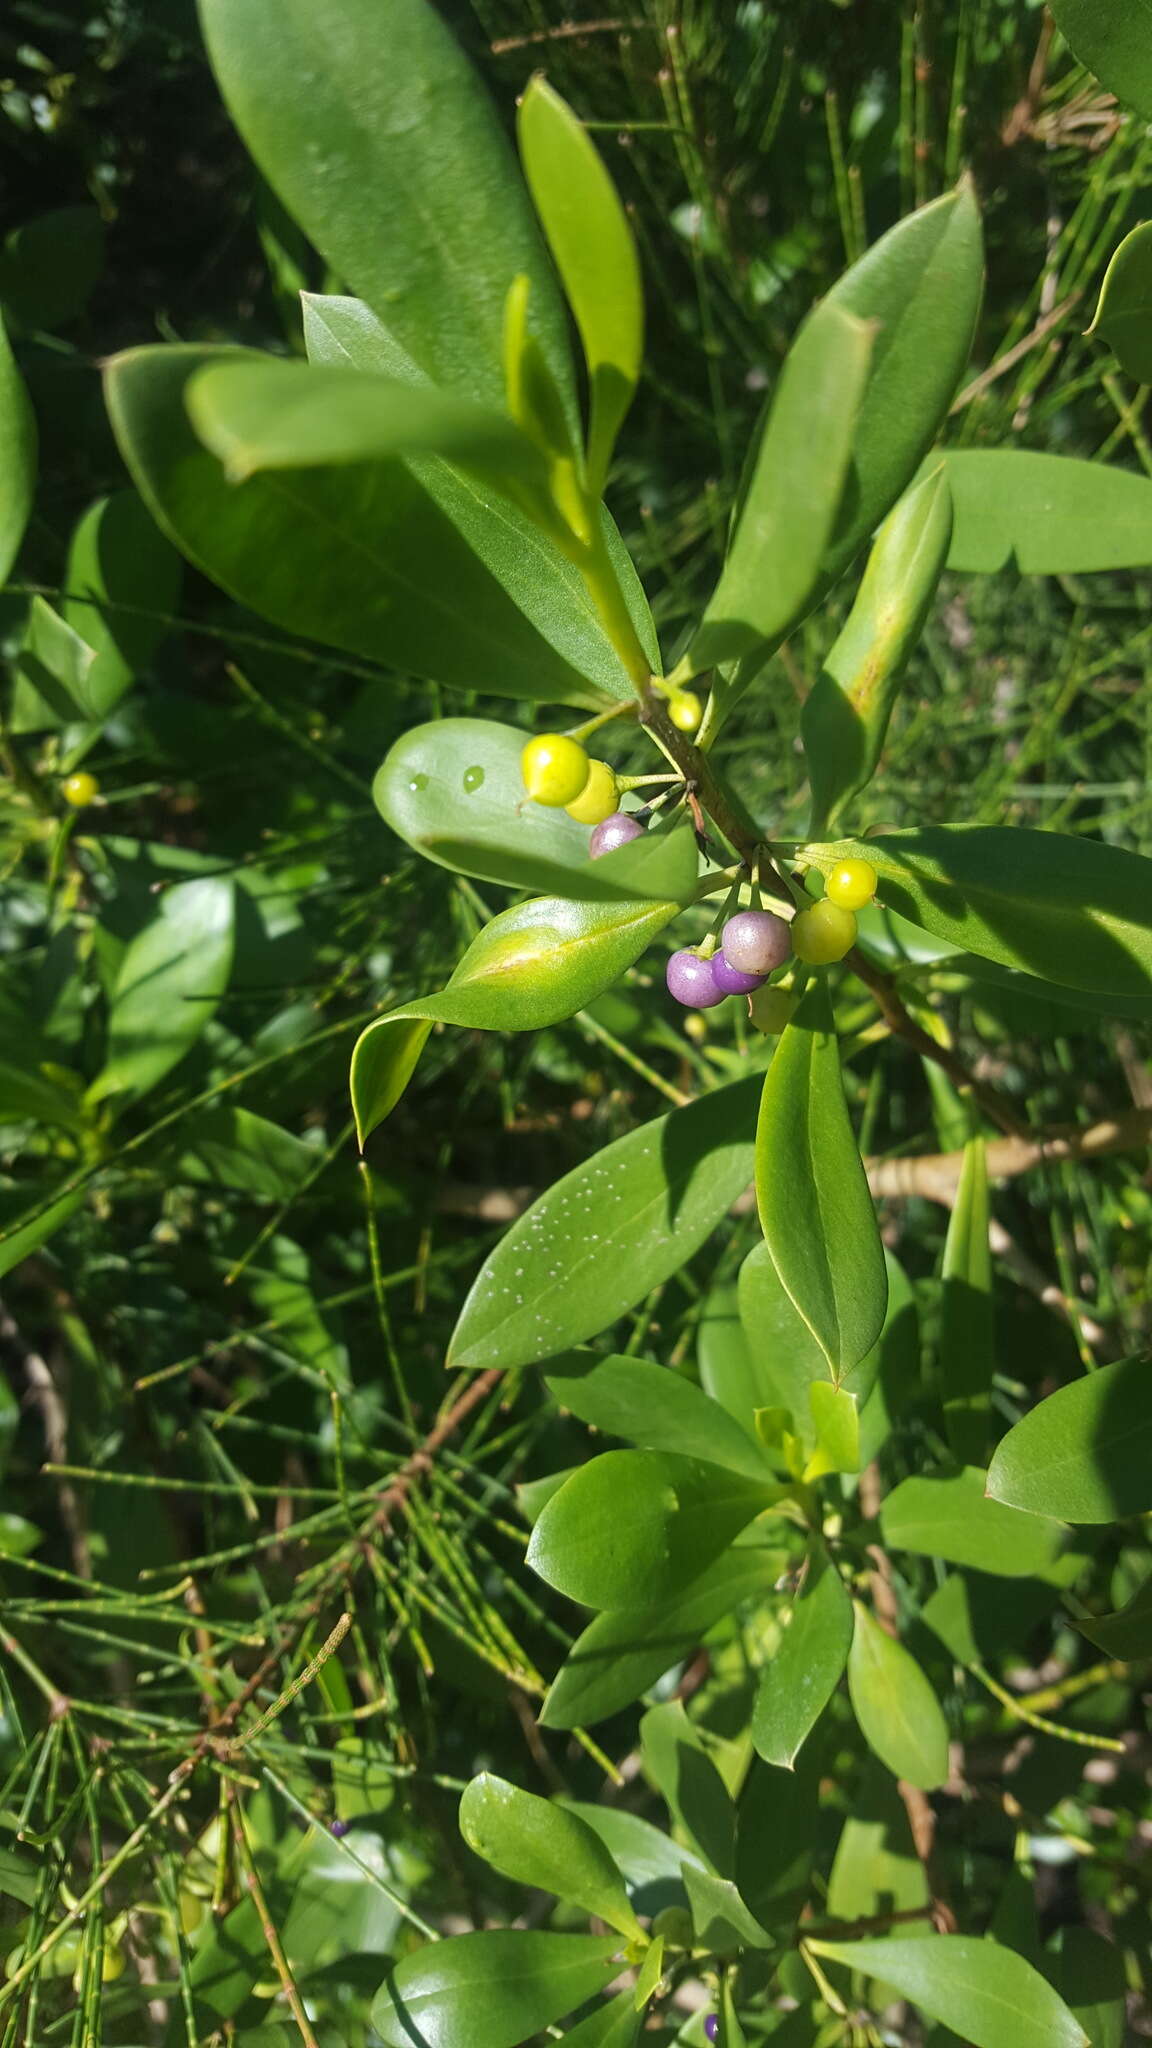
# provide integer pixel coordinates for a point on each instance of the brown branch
(562, 31)
(936, 1175)
(881, 985)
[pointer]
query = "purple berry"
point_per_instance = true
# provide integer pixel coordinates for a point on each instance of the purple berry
(732, 981)
(712, 2026)
(338, 1828)
(755, 941)
(691, 982)
(615, 831)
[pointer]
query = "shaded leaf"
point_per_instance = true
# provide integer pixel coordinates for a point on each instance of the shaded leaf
(226, 1146)
(169, 986)
(49, 266)
(967, 1348)
(615, 2026)
(835, 1430)
(123, 583)
(798, 1682)
(1110, 37)
(876, 1868)
(721, 1920)
(677, 1760)
(652, 1407)
(951, 1518)
(539, 1843)
(899, 1714)
(499, 1986)
(1089, 1974)
(1052, 515)
(1123, 315)
(1084, 1454)
(1127, 1634)
(17, 457)
(985, 1993)
(776, 1832)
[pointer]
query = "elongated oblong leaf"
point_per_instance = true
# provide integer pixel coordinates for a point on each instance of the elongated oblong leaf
(786, 520)
(616, 2025)
(815, 1208)
(967, 1353)
(900, 1716)
(1111, 38)
(368, 121)
(682, 1513)
(169, 986)
(17, 456)
(984, 1992)
(1050, 514)
(608, 1232)
(360, 557)
(539, 1843)
(1072, 911)
(531, 966)
(123, 583)
(952, 1518)
(784, 1356)
(1124, 309)
(796, 1686)
(654, 1408)
(495, 1989)
(677, 1760)
(1084, 1454)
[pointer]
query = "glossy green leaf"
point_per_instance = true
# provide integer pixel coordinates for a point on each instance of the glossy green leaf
(796, 1686)
(845, 716)
(169, 986)
(647, 1858)
(49, 266)
(123, 584)
(1110, 37)
(595, 253)
(1074, 911)
(952, 1518)
(40, 1093)
(812, 1194)
(682, 1513)
(1127, 1634)
(615, 2026)
(987, 1994)
(777, 551)
(899, 1714)
(533, 965)
(498, 1988)
(1090, 1976)
(1123, 315)
(539, 1843)
(730, 1372)
(622, 1653)
(721, 1920)
(52, 671)
(607, 1233)
(967, 1345)
(677, 1760)
(1052, 515)
(921, 283)
(226, 1146)
(784, 1355)
(654, 1408)
(18, 1240)
(835, 1430)
(876, 1869)
(1084, 1454)
(17, 457)
(542, 581)
(362, 558)
(454, 790)
(372, 127)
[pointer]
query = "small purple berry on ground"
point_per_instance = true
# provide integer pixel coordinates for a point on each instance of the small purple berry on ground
(755, 941)
(615, 831)
(712, 2026)
(691, 981)
(732, 981)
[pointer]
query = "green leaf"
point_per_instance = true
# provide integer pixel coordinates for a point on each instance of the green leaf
(921, 283)
(498, 1987)
(1084, 1454)
(794, 493)
(123, 583)
(607, 1233)
(649, 1860)
(876, 1869)
(362, 558)
(1089, 1974)
(368, 121)
(1127, 1634)
(50, 265)
(784, 1355)
(815, 1208)
(967, 1347)
(654, 1408)
(19, 1240)
(533, 965)
(845, 716)
(776, 1837)
(899, 1714)
(594, 251)
(978, 1617)
(622, 1653)
(1110, 37)
(169, 986)
(1050, 514)
(538, 1843)
(733, 1371)
(454, 790)
(52, 671)
(985, 1993)
(796, 1686)
(835, 1428)
(952, 1518)
(226, 1146)
(1073, 911)
(615, 2026)
(524, 561)
(721, 1920)
(890, 1375)
(17, 457)
(1123, 315)
(677, 1761)
(682, 1513)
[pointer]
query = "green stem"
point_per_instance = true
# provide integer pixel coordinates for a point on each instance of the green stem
(1020, 1712)
(604, 588)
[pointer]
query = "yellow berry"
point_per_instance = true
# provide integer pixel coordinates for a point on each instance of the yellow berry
(598, 798)
(555, 769)
(851, 884)
(823, 934)
(80, 789)
(685, 710)
(770, 1009)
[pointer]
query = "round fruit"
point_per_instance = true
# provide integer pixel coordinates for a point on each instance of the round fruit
(712, 2026)
(770, 1010)
(851, 884)
(824, 933)
(755, 941)
(732, 981)
(80, 789)
(685, 710)
(615, 831)
(691, 981)
(555, 769)
(597, 799)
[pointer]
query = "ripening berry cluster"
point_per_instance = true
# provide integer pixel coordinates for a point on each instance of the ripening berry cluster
(754, 943)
